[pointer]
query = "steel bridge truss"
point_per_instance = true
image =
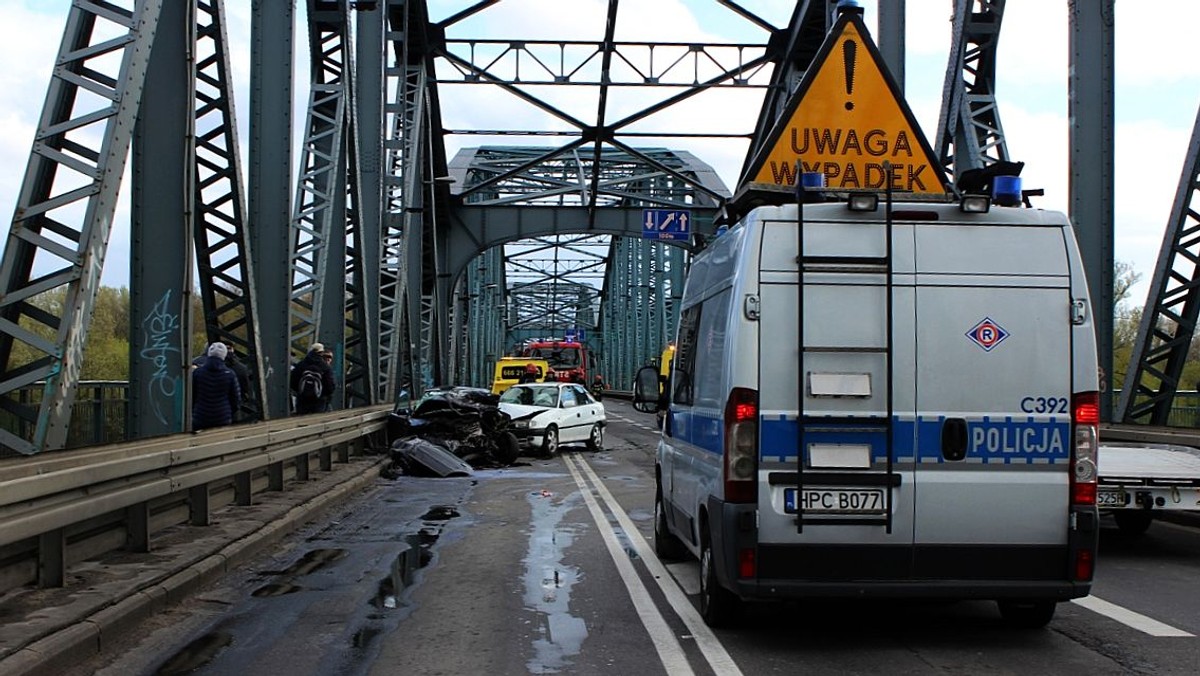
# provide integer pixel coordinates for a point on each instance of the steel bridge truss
(50, 271)
(969, 134)
(1169, 322)
(425, 290)
(221, 236)
(563, 283)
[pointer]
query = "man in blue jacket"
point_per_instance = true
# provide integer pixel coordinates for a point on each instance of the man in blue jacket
(215, 392)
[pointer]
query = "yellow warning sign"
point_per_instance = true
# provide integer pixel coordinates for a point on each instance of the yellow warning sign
(848, 121)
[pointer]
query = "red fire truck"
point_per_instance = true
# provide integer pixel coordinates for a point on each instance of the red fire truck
(569, 360)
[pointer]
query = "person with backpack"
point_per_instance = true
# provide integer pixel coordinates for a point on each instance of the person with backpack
(312, 381)
(215, 392)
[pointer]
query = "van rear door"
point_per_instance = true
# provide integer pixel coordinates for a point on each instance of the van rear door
(993, 390)
(846, 510)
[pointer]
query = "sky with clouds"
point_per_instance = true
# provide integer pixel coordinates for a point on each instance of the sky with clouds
(1157, 91)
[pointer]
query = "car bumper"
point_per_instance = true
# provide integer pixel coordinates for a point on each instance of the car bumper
(529, 437)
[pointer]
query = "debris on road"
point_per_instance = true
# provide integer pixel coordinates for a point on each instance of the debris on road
(451, 428)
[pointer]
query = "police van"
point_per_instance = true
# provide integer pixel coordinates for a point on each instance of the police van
(885, 400)
(874, 397)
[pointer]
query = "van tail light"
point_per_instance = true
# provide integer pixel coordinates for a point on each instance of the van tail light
(1085, 433)
(747, 566)
(741, 446)
(1085, 565)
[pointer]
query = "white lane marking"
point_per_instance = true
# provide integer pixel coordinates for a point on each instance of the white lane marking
(669, 651)
(687, 574)
(709, 645)
(1129, 618)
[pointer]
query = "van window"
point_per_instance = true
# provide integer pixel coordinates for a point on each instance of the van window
(711, 342)
(685, 357)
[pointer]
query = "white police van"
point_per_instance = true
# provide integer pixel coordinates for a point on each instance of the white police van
(874, 400)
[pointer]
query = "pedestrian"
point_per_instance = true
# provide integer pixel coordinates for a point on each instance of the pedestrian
(327, 404)
(243, 378)
(312, 381)
(215, 394)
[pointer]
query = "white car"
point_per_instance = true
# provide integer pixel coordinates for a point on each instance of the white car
(546, 415)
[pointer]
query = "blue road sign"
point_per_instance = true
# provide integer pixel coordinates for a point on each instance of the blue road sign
(666, 223)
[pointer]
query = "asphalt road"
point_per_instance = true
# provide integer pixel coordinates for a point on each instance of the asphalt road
(548, 568)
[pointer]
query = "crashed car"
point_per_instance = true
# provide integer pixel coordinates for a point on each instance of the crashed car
(547, 415)
(449, 423)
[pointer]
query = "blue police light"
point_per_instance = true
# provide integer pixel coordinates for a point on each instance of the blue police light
(722, 229)
(810, 187)
(1006, 190)
(849, 6)
(812, 180)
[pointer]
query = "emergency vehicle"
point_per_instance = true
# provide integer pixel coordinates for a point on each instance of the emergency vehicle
(570, 361)
(882, 397)
(511, 370)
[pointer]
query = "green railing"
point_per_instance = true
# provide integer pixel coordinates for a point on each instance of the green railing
(100, 414)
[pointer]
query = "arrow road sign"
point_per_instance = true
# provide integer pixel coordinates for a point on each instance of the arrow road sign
(666, 224)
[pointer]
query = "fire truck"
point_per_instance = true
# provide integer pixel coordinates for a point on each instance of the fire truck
(569, 360)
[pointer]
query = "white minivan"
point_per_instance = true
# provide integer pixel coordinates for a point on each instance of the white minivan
(874, 400)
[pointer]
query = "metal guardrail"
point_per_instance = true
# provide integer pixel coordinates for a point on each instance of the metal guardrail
(42, 498)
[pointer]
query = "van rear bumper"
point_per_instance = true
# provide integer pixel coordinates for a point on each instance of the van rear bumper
(916, 589)
(813, 570)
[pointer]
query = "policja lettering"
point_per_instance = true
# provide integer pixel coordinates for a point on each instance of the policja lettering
(1046, 440)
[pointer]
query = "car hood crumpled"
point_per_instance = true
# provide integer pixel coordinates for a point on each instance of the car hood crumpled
(521, 411)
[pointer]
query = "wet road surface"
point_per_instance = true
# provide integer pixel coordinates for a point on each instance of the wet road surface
(548, 568)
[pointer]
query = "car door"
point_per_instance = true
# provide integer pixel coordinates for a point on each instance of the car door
(569, 412)
(592, 410)
(995, 360)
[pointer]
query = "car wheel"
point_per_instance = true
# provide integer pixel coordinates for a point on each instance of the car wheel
(595, 440)
(1132, 523)
(1027, 614)
(550, 443)
(718, 605)
(507, 448)
(666, 545)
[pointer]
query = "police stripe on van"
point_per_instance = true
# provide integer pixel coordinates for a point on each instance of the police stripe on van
(990, 439)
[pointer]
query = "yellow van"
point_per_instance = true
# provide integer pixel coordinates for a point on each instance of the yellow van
(509, 371)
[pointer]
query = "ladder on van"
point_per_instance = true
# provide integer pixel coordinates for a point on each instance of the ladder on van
(879, 427)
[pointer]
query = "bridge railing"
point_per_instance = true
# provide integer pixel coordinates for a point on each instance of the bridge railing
(60, 508)
(100, 414)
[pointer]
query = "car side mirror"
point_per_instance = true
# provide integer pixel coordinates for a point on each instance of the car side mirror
(645, 389)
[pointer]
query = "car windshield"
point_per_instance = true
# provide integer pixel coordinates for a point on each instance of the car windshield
(558, 357)
(530, 396)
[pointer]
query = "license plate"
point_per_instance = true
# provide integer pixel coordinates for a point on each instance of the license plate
(1113, 497)
(835, 500)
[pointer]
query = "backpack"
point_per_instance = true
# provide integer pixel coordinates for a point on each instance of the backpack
(310, 386)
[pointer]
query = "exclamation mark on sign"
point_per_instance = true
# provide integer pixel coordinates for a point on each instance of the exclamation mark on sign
(848, 50)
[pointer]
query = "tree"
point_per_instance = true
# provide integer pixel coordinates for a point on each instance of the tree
(1126, 320)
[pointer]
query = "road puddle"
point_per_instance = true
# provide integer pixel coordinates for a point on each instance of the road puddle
(548, 584)
(270, 590)
(195, 655)
(416, 555)
(310, 562)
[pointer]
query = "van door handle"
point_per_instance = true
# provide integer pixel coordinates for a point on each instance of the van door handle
(954, 438)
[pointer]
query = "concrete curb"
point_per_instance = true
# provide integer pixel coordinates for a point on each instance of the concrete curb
(64, 649)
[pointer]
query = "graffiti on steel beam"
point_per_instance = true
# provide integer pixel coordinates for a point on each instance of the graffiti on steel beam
(161, 335)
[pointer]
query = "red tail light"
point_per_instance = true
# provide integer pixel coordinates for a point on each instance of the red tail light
(1084, 565)
(746, 565)
(741, 446)
(1085, 435)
